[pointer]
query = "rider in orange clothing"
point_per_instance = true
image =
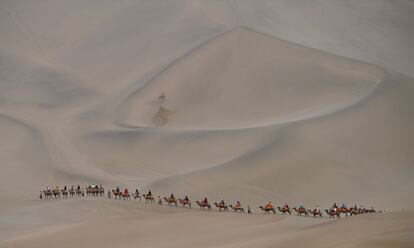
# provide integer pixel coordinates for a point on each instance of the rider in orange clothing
(269, 206)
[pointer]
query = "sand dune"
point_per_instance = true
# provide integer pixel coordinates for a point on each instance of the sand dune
(143, 226)
(283, 101)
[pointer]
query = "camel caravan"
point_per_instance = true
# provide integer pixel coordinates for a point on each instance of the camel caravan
(90, 190)
(118, 194)
(333, 212)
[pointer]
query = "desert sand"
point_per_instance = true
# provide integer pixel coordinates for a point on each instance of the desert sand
(286, 101)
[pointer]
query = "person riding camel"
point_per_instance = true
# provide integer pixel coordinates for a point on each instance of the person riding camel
(334, 208)
(286, 206)
(118, 189)
(126, 191)
(238, 204)
(78, 187)
(269, 206)
(301, 206)
(317, 209)
(204, 202)
(48, 189)
(343, 206)
(65, 188)
(149, 193)
(172, 197)
(186, 198)
(137, 192)
(72, 188)
(222, 203)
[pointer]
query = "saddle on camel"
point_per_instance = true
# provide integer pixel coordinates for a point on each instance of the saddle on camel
(171, 200)
(204, 204)
(185, 202)
(221, 205)
(268, 208)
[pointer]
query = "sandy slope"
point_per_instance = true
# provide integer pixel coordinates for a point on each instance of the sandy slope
(137, 225)
(252, 112)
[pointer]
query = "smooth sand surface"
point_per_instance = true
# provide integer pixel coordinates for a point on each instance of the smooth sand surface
(283, 101)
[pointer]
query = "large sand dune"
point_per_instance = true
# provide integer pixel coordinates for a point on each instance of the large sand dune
(288, 101)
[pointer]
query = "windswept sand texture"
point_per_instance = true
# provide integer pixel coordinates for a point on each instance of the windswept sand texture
(243, 100)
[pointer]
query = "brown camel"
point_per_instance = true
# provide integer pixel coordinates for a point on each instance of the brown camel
(136, 196)
(235, 208)
(80, 192)
(332, 213)
(343, 210)
(300, 211)
(64, 193)
(72, 192)
(284, 210)
(126, 196)
(185, 202)
(48, 194)
(170, 201)
(56, 193)
(117, 194)
(268, 210)
(149, 198)
(221, 206)
(203, 205)
(315, 212)
(354, 211)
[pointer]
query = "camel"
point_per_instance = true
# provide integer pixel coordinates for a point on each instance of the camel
(203, 205)
(221, 206)
(72, 192)
(148, 198)
(48, 194)
(95, 190)
(185, 202)
(136, 196)
(315, 212)
(170, 201)
(343, 210)
(333, 214)
(56, 193)
(268, 210)
(125, 196)
(284, 210)
(300, 211)
(117, 194)
(354, 211)
(80, 192)
(64, 193)
(235, 208)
